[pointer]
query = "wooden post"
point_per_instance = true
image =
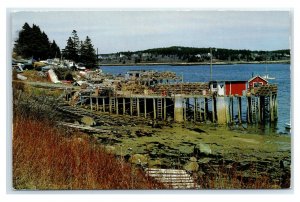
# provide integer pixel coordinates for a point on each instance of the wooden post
(131, 107)
(165, 109)
(227, 111)
(138, 106)
(232, 111)
(262, 108)
(184, 108)
(276, 107)
(97, 104)
(200, 115)
(239, 109)
(124, 110)
(213, 109)
(110, 105)
(145, 107)
(271, 107)
(117, 106)
(205, 108)
(103, 104)
(248, 108)
(154, 109)
(259, 109)
(91, 101)
(195, 109)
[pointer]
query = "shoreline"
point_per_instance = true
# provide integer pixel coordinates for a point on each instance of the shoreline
(196, 63)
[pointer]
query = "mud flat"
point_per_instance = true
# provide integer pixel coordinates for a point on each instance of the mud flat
(212, 147)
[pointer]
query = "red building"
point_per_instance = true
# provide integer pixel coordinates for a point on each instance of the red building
(223, 88)
(235, 87)
(257, 81)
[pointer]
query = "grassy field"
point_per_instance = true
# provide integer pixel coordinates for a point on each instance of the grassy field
(45, 157)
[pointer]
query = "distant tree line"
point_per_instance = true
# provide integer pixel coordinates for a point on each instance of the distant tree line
(32, 42)
(191, 54)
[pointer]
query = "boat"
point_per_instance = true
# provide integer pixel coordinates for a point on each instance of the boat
(268, 77)
(288, 126)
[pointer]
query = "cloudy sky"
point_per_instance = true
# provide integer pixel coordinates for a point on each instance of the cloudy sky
(114, 31)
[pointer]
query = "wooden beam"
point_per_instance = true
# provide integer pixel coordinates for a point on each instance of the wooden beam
(124, 109)
(195, 109)
(138, 106)
(213, 109)
(91, 102)
(103, 104)
(131, 107)
(205, 109)
(239, 109)
(97, 103)
(165, 108)
(154, 109)
(145, 107)
(117, 106)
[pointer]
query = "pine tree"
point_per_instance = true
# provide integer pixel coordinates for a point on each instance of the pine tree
(72, 48)
(32, 42)
(88, 54)
(54, 50)
(23, 45)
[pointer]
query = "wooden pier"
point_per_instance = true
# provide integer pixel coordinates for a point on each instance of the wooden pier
(195, 105)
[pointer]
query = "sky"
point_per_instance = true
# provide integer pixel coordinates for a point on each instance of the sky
(116, 31)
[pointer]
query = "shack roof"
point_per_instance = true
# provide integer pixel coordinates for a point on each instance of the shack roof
(232, 81)
(257, 76)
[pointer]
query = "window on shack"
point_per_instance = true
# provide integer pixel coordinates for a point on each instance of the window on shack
(257, 84)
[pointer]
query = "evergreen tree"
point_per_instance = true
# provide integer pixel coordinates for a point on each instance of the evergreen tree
(88, 54)
(32, 42)
(54, 50)
(72, 48)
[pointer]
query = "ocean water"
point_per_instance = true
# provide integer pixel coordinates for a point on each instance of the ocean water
(201, 73)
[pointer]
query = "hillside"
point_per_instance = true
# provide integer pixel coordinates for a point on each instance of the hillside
(178, 54)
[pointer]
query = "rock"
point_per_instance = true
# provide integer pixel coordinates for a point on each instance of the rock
(155, 163)
(202, 149)
(143, 132)
(138, 159)
(193, 159)
(89, 121)
(191, 166)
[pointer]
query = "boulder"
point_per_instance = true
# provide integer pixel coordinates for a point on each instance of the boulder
(138, 159)
(193, 159)
(202, 149)
(191, 167)
(89, 121)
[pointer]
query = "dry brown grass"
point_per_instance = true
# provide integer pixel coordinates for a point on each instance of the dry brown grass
(43, 158)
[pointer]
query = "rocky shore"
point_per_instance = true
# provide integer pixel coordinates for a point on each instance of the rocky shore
(203, 149)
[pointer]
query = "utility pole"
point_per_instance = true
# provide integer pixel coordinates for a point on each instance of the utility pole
(97, 58)
(210, 64)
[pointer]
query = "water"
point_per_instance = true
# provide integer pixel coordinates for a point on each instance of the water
(230, 72)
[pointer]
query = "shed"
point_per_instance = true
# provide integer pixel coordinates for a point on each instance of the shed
(223, 88)
(257, 81)
(235, 87)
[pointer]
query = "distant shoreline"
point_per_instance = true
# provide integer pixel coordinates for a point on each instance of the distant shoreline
(198, 63)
